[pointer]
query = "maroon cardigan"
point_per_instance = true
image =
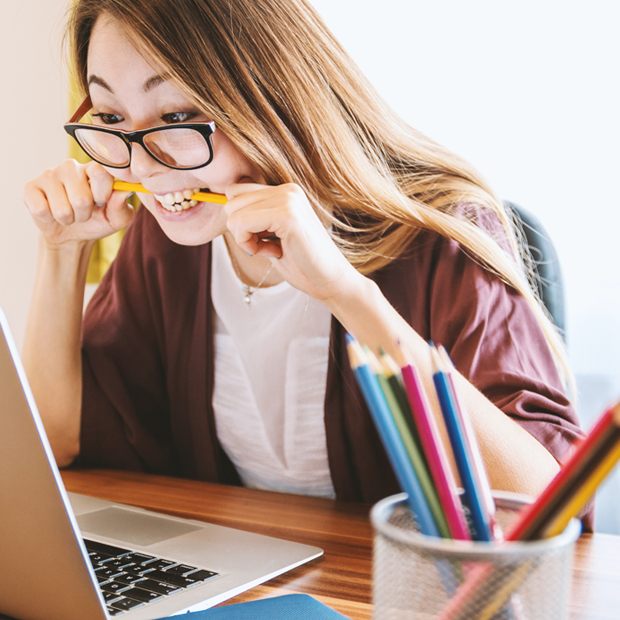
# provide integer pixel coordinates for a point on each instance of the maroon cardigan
(148, 362)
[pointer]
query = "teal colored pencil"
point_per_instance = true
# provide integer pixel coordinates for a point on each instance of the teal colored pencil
(415, 456)
(388, 433)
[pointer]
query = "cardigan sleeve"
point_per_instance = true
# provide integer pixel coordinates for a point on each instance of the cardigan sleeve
(490, 332)
(125, 419)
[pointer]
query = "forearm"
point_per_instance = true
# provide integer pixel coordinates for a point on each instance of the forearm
(515, 460)
(51, 352)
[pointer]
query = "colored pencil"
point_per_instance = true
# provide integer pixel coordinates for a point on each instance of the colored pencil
(436, 456)
(586, 492)
(200, 196)
(390, 438)
(462, 453)
(576, 483)
(533, 518)
(396, 398)
(479, 471)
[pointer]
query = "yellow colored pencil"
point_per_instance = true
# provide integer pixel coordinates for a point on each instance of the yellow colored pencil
(200, 196)
(583, 495)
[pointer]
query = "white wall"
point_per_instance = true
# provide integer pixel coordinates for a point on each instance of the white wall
(528, 92)
(32, 110)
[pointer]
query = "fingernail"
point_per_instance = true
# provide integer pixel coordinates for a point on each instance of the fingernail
(249, 254)
(100, 204)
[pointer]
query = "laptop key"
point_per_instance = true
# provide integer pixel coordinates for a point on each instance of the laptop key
(117, 563)
(128, 578)
(158, 587)
(203, 575)
(180, 569)
(161, 564)
(94, 546)
(110, 597)
(139, 558)
(114, 612)
(125, 604)
(101, 579)
(112, 586)
(174, 580)
(144, 596)
(108, 573)
(96, 558)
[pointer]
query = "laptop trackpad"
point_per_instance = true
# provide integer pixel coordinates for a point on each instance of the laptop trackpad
(133, 527)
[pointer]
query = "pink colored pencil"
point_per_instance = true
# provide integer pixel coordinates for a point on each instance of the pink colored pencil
(436, 457)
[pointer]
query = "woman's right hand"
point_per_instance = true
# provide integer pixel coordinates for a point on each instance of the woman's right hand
(74, 203)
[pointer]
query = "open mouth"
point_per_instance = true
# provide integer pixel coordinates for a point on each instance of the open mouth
(177, 201)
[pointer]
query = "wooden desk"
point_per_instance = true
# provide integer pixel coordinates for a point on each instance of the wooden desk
(341, 578)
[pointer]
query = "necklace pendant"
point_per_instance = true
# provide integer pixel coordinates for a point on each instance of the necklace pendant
(247, 295)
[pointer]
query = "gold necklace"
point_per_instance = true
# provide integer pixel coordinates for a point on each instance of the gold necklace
(248, 290)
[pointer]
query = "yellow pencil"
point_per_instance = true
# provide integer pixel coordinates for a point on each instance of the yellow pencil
(583, 495)
(200, 196)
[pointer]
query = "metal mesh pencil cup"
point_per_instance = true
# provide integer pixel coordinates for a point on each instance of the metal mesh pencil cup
(417, 577)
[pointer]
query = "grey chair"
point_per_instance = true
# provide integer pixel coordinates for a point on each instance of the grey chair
(546, 264)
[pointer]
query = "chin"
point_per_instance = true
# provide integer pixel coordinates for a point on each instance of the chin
(196, 226)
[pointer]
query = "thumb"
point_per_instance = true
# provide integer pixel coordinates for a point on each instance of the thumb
(119, 212)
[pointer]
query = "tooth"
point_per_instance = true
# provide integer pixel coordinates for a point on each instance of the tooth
(187, 194)
(185, 204)
(168, 199)
(197, 190)
(178, 197)
(192, 203)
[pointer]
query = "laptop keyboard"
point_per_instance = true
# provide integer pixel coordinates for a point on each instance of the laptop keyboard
(129, 579)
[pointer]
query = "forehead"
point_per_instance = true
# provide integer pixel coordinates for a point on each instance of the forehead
(115, 59)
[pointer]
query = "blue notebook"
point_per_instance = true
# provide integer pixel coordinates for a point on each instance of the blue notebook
(288, 607)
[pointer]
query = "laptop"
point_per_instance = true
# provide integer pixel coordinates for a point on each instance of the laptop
(71, 557)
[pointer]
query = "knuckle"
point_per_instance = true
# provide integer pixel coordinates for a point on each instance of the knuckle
(293, 190)
(82, 202)
(63, 216)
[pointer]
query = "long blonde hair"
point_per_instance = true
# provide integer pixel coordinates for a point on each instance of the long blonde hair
(275, 80)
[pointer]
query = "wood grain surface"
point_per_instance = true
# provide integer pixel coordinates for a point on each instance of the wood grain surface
(342, 577)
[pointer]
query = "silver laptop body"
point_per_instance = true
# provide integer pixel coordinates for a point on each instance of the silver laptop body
(45, 570)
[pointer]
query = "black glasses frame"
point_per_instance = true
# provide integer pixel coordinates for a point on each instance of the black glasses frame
(129, 137)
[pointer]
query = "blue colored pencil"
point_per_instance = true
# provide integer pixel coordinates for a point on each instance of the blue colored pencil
(479, 471)
(465, 464)
(388, 433)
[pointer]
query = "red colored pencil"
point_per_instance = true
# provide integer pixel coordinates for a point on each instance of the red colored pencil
(531, 518)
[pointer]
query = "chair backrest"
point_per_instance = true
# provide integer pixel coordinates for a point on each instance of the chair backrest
(546, 264)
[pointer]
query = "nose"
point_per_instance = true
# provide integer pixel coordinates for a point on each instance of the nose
(144, 165)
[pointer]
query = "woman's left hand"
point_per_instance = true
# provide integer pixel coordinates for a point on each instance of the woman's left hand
(278, 222)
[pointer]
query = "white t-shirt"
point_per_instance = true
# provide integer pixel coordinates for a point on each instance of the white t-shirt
(270, 377)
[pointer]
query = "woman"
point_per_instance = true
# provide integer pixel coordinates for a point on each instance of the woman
(214, 347)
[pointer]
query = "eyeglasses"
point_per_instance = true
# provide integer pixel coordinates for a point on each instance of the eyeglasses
(183, 146)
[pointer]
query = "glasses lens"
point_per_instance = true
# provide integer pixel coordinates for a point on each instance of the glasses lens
(104, 148)
(179, 147)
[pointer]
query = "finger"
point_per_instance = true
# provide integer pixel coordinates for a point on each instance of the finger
(59, 204)
(241, 195)
(257, 229)
(101, 183)
(37, 204)
(78, 191)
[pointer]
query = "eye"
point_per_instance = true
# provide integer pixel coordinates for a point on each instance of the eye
(178, 117)
(109, 119)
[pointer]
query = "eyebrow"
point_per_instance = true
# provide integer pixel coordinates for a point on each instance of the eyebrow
(150, 84)
(93, 79)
